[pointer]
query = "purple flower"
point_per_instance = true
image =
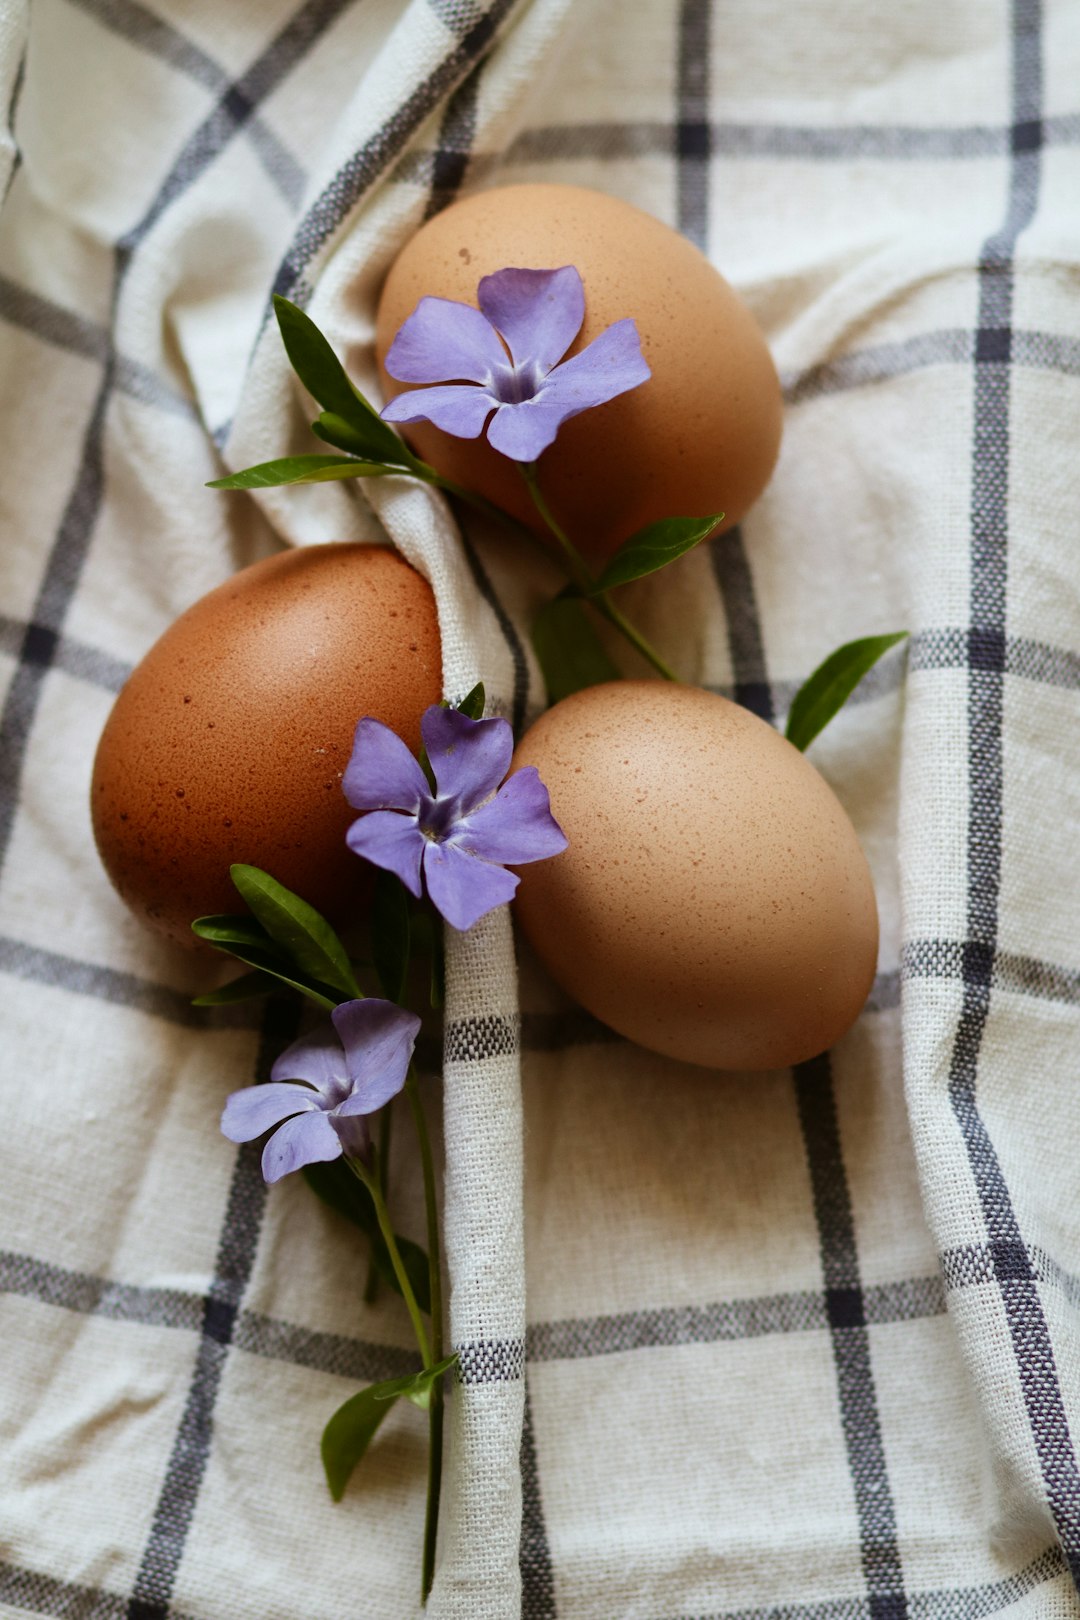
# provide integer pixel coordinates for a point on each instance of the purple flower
(322, 1087)
(537, 314)
(461, 835)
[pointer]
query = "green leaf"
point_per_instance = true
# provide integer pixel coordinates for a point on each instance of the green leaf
(301, 470)
(417, 1387)
(324, 377)
(654, 547)
(353, 1426)
(297, 928)
(351, 1430)
(241, 989)
(336, 1185)
(826, 691)
(390, 934)
(324, 995)
(472, 704)
(234, 930)
(570, 652)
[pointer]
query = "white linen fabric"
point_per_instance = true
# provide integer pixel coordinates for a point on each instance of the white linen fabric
(797, 1345)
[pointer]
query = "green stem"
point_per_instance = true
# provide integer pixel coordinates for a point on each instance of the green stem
(583, 579)
(435, 1411)
(371, 1181)
(371, 1286)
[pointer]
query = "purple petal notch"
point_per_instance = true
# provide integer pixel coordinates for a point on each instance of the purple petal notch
(502, 366)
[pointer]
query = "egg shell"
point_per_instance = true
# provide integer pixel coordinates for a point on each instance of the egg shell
(701, 436)
(714, 904)
(229, 741)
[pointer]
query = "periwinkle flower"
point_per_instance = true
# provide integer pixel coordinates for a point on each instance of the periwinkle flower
(460, 836)
(324, 1085)
(536, 314)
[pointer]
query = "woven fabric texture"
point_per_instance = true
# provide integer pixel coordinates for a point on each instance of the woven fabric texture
(793, 1346)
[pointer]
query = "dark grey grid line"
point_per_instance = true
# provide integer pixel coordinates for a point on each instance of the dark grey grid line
(65, 329)
(32, 1592)
(456, 135)
(237, 1244)
(148, 32)
(344, 191)
(614, 141)
(534, 1555)
(731, 569)
(74, 657)
(845, 1308)
(1029, 1333)
(38, 966)
(1032, 350)
(952, 647)
(67, 557)
(474, 1040)
(1019, 975)
(665, 1327)
(269, 1337)
(947, 1603)
(973, 1264)
(490, 1361)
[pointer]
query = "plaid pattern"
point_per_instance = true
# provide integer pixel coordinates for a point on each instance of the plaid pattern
(797, 1345)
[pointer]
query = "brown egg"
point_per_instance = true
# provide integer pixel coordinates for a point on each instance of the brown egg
(713, 904)
(229, 741)
(701, 436)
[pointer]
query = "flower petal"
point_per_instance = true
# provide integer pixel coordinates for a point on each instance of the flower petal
(538, 312)
(517, 826)
(378, 1038)
(259, 1108)
(457, 408)
(316, 1058)
(309, 1139)
(611, 365)
(469, 757)
(391, 841)
(464, 888)
(445, 341)
(381, 773)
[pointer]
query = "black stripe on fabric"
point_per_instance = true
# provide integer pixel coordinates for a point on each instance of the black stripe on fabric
(456, 135)
(52, 968)
(344, 191)
(693, 143)
(65, 563)
(666, 1327)
(32, 1592)
(845, 1309)
(474, 1040)
(731, 569)
(142, 28)
(1029, 1333)
(359, 1360)
(799, 143)
(971, 1265)
(65, 329)
(1009, 971)
(237, 1244)
(534, 1557)
(491, 1361)
(75, 658)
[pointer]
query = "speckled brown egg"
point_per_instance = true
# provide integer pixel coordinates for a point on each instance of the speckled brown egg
(229, 741)
(701, 436)
(713, 904)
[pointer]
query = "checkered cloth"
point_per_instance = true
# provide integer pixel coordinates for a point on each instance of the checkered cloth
(798, 1345)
